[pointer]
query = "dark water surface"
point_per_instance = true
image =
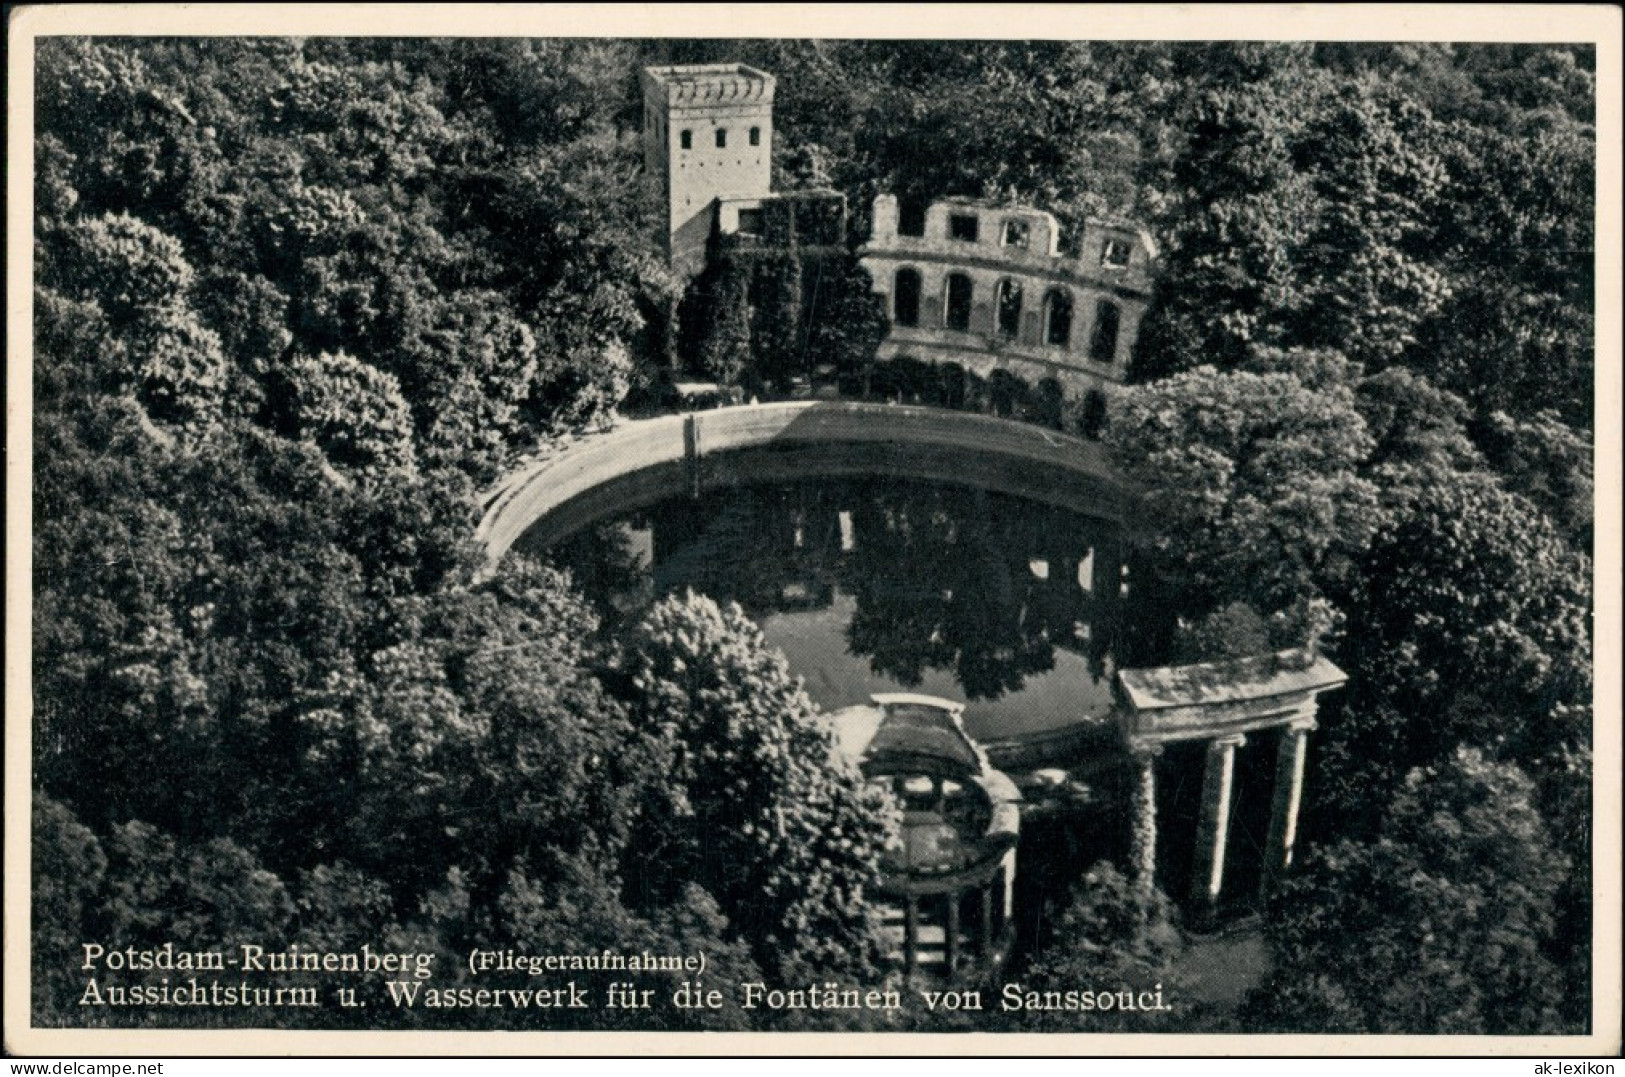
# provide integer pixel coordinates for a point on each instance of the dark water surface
(1015, 608)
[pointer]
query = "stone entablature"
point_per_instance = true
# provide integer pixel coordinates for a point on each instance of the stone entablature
(1222, 699)
(986, 286)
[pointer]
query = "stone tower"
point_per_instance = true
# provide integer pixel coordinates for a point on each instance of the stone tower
(707, 134)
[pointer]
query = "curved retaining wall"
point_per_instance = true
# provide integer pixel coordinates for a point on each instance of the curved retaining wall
(645, 461)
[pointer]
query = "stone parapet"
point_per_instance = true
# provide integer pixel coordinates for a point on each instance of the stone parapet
(695, 450)
(708, 85)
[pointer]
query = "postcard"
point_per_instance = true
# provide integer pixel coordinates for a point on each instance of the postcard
(952, 529)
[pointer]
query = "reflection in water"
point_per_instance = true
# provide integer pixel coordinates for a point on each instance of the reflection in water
(882, 585)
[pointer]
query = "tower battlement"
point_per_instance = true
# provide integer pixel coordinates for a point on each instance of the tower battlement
(704, 85)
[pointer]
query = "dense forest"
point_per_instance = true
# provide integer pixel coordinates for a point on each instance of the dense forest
(298, 301)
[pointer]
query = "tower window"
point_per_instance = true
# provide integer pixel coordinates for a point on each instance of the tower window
(686, 139)
(906, 297)
(722, 138)
(963, 227)
(755, 136)
(1016, 233)
(1115, 254)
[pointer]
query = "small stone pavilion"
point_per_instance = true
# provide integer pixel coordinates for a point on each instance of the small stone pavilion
(950, 878)
(1222, 703)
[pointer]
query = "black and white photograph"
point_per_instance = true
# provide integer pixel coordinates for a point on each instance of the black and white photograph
(1016, 523)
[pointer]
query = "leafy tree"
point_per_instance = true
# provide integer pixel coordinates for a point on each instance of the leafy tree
(479, 737)
(726, 352)
(180, 368)
(588, 916)
(466, 372)
(1547, 461)
(140, 888)
(1437, 926)
(756, 804)
(1235, 630)
(1104, 936)
(212, 895)
(1230, 279)
(1467, 622)
(848, 321)
(125, 265)
(155, 345)
(1516, 228)
(354, 412)
(68, 868)
(1419, 433)
(1369, 281)
(1253, 481)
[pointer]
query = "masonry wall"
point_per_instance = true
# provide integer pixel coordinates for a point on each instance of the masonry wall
(1018, 249)
(700, 102)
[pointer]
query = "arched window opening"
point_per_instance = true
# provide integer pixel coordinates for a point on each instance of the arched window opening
(1116, 254)
(1058, 319)
(1008, 394)
(956, 312)
(1009, 308)
(1103, 345)
(906, 297)
(755, 136)
(686, 139)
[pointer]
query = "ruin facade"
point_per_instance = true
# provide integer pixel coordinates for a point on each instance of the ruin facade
(987, 287)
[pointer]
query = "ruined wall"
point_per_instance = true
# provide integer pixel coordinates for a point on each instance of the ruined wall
(995, 293)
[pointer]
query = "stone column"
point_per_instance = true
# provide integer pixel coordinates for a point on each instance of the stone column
(691, 452)
(1207, 874)
(1009, 887)
(985, 895)
(1289, 764)
(1143, 840)
(950, 938)
(911, 934)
